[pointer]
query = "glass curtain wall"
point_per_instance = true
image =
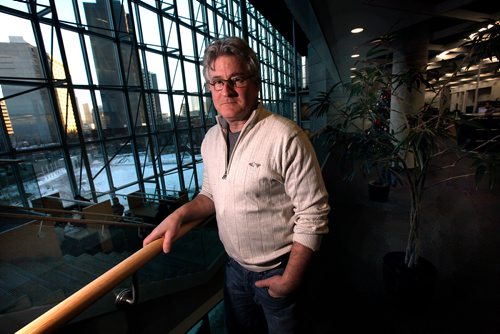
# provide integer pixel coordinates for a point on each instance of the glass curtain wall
(107, 97)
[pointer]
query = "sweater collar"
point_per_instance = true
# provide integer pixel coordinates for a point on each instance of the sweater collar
(255, 116)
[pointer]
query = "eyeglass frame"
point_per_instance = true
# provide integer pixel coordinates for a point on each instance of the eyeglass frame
(231, 82)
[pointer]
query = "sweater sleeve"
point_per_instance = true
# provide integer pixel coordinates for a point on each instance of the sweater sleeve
(205, 187)
(305, 186)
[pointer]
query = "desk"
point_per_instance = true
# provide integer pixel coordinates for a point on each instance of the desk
(155, 210)
(147, 212)
(96, 212)
(479, 132)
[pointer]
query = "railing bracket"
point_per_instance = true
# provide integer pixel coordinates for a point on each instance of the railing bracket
(127, 297)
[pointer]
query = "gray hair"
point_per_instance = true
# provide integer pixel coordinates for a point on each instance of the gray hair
(233, 46)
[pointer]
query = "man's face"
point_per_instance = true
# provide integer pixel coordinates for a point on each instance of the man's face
(235, 104)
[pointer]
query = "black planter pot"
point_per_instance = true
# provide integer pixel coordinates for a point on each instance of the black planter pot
(408, 287)
(378, 192)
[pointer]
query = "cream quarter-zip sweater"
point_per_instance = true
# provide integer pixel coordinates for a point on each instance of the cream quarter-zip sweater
(269, 193)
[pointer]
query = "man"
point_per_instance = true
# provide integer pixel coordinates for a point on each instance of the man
(263, 182)
(486, 109)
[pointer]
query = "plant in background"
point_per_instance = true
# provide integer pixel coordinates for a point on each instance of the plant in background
(358, 130)
(360, 133)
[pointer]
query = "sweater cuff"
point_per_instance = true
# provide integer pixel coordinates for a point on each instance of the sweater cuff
(206, 194)
(312, 241)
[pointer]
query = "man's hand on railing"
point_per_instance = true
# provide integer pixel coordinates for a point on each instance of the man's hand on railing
(188, 216)
(168, 229)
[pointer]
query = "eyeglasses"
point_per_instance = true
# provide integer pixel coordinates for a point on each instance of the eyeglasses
(234, 82)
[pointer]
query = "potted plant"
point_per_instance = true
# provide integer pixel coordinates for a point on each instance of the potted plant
(360, 127)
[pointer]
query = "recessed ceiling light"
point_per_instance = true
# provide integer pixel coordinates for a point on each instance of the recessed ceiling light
(355, 55)
(353, 68)
(357, 30)
(442, 54)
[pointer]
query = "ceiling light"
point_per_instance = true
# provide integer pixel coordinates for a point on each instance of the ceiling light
(493, 59)
(353, 68)
(442, 54)
(357, 30)
(474, 35)
(356, 55)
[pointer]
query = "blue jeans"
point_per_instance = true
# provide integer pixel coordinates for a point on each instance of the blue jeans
(248, 309)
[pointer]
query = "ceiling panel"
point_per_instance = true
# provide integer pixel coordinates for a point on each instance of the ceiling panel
(448, 22)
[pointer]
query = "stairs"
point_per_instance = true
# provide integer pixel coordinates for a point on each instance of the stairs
(29, 285)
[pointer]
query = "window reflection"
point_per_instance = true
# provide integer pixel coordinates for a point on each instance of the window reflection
(8, 182)
(151, 35)
(175, 74)
(51, 173)
(75, 58)
(162, 114)
(97, 162)
(145, 159)
(86, 114)
(31, 115)
(81, 176)
(121, 162)
(156, 72)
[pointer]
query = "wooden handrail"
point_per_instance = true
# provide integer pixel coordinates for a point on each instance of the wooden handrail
(73, 220)
(86, 296)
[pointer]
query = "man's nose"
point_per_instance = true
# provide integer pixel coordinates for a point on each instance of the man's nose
(228, 89)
